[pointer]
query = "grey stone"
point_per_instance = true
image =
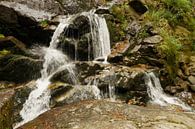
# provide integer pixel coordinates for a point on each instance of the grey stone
(191, 79)
(153, 40)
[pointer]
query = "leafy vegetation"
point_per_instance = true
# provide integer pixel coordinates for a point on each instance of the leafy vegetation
(121, 15)
(44, 23)
(174, 20)
(170, 48)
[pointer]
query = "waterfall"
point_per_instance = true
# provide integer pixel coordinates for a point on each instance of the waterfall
(157, 95)
(54, 61)
(60, 29)
(111, 92)
(100, 35)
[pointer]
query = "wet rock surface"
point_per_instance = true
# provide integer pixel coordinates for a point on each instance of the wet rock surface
(22, 92)
(129, 83)
(106, 114)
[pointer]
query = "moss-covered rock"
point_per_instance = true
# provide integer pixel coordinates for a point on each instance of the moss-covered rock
(17, 68)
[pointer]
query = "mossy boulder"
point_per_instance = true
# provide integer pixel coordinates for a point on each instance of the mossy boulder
(17, 68)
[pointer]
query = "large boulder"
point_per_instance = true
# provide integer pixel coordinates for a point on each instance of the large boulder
(110, 115)
(62, 93)
(138, 6)
(144, 51)
(22, 26)
(17, 68)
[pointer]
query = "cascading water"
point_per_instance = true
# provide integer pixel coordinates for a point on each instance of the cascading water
(157, 95)
(100, 35)
(54, 60)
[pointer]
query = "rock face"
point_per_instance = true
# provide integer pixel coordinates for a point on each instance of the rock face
(58, 6)
(22, 26)
(107, 115)
(6, 109)
(129, 83)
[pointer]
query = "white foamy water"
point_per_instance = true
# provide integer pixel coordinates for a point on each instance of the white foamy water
(157, 95)
(54, 61)
(111, 92)
(60, 29)
(100, 35)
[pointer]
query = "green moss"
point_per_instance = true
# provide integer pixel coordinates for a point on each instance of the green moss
(4, 52)
(2, 36)
(121, 16)
(44, 23)
(170, 49)
(178, 5)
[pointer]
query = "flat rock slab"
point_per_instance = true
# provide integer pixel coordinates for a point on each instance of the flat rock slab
(109, 115)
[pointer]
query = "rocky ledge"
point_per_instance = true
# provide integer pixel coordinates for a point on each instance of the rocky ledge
(107, 115)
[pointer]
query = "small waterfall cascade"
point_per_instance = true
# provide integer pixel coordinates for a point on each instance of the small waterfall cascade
(157, 95)
(100, 35)
(59, 30)
(111, 91)
(96, 90)
(54, 61)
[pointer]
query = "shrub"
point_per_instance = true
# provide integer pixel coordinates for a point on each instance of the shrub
(170, 49)
(178, 5)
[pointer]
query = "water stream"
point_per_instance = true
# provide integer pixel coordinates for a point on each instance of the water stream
(157, 95)
(54, 61)
(100, 35)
